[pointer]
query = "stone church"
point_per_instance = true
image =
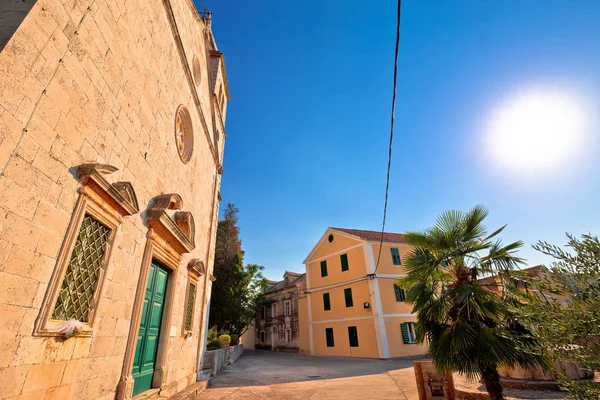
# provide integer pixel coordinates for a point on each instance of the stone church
(112, 117)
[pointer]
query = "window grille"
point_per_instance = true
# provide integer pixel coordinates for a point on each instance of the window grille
(189, 311)
(81, 278)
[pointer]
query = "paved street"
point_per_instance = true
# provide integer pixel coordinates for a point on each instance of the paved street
(267, 375)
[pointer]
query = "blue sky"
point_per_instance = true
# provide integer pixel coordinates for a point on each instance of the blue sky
(308, 122)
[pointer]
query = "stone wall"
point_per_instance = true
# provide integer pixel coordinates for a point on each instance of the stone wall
(217, 360)
(99, 81)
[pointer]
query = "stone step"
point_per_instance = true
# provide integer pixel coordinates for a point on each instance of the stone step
(205, 374)
(191, 391)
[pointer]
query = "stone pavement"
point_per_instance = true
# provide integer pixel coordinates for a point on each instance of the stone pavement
(267, 375)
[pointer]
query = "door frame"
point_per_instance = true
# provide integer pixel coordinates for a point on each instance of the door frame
(168, 238)
(156, 249)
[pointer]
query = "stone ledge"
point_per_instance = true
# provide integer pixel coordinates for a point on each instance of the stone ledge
(466, 390)
(191, 391)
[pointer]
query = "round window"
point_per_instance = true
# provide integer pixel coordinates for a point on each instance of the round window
(184, 134)
(330, 238)
(196, 70)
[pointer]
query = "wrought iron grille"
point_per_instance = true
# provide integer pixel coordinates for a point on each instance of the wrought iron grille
(189, 310)
(81, 278)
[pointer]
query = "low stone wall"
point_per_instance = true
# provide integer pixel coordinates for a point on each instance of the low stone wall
(573, 371)
(217, 360)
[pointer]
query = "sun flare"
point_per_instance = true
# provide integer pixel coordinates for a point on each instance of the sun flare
(536, 132)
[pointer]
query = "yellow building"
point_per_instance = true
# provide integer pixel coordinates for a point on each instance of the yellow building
(352, 307)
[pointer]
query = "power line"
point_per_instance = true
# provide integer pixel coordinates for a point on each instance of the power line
(387, 183)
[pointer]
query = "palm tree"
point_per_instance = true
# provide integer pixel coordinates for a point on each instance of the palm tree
(470, 328)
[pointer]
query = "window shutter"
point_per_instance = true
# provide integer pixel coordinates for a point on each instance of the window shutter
(396, 260)
(404, 327)
(348, 297)
(400, 294)
(344, 260)
(326, 302)
(323, 268)
(329, 337)
(353, 336)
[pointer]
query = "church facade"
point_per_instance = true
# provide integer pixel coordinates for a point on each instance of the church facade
(112, 129)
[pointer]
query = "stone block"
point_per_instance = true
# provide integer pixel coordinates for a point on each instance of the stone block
(102, 346)
(17, 290)
(10, 128)
(29, 264)
(53, 194)
(49, 243)
(27, 325)
(43, 376)
(17, 199)
(48, 165)
(30, 351)
(43, 134)
(8, 344)
(28, 147)
(61, 393)
(21, 231)
(72, 370)
(12, 380)
(51, 218)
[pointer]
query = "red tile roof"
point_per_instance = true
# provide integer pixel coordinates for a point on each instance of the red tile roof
(374, 235)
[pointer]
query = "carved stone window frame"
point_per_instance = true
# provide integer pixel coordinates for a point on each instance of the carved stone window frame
(185, 144)
(195, 270)
(197, 70)
(167, 239)
(108, 204)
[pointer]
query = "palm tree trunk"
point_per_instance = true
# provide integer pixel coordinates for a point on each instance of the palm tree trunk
(491, 379)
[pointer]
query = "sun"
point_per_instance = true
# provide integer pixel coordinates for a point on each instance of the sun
(536, 132)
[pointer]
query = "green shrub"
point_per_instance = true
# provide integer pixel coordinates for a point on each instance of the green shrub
(214, 344)
(212, 334)
(225, 340)
(235, 339)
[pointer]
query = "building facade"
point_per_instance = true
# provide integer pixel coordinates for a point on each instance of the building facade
(111, 144)
(353, 308)
(277, 324)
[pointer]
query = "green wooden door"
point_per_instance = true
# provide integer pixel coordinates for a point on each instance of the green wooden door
(148, 336)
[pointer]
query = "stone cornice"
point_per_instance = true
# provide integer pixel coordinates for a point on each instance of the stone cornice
(120, 195)
(196, 269)
(166, 228)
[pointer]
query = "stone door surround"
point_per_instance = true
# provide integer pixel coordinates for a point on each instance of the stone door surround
(167, 239)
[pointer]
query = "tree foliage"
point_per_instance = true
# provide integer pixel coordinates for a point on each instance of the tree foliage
(470, 328)
(564, 309)
(237, 288)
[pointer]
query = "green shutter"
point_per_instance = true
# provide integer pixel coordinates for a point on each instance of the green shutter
(323, 268)
(326, 302)
(348, 297)
(400, 294)
(344, 260)
(396, 256)
(353, 336)
(404, 327)
(329, 337)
